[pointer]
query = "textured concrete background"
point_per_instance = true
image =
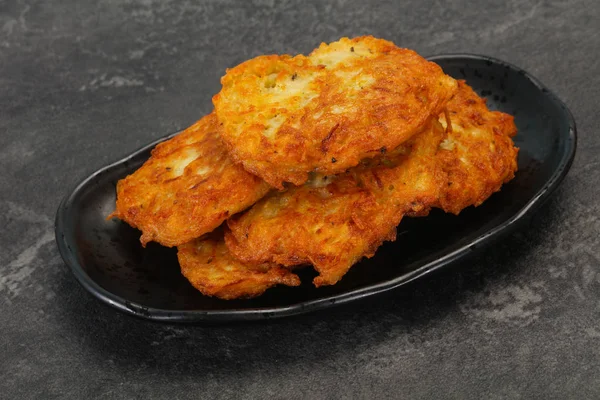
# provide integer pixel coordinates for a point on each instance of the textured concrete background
(83, 83)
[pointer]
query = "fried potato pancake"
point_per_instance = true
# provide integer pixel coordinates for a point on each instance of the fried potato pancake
(479, 154)
(210, 268)
(334, 221)
(188, 187)
(284, 117)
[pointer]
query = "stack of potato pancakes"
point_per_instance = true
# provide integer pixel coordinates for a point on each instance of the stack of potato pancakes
(314, 160)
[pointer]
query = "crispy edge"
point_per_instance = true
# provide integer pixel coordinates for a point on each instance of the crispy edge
(172, 226)
(296, 227)
(209, 266)
(479, 155)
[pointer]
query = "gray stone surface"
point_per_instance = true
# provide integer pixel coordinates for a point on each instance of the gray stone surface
(83, 83)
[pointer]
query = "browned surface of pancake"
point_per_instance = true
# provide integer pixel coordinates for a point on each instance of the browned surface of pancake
(284, 117)
(188, 187)
(334, 221)
(479, 153)
(211, 269)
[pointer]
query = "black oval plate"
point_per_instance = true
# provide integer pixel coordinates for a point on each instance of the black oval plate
(108, 260)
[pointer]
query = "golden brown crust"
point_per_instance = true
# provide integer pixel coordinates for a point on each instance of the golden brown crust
(188, 187)
(211, 269)
(479, 154)
(334, 224)
(285, 116)
(334, 221)
(372, 132)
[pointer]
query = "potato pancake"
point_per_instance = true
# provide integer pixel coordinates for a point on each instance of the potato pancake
(284, 117)
(479, 154)
(211, 269)
(188, 187)
(334, 221)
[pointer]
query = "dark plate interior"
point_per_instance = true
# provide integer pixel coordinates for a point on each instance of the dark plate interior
(108, 260)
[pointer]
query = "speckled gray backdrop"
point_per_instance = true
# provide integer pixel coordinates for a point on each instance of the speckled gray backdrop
(82, 83)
